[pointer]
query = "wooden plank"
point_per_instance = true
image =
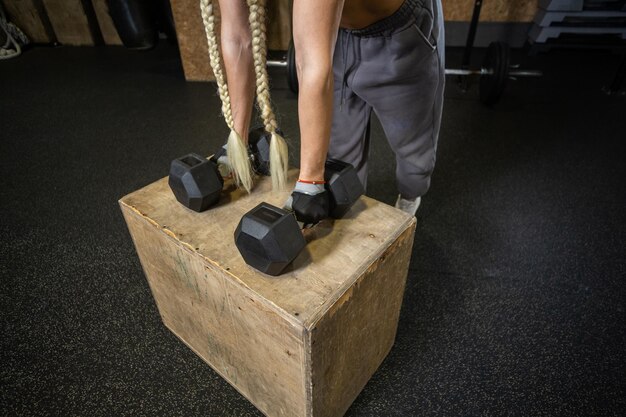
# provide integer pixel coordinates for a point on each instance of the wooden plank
(192, 42)
(239, 334)
(25, 15)
(69, 22)
(107, 28)
(492, 10)
(353, 337)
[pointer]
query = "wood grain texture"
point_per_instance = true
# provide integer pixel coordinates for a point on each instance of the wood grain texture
(25, 15)
(336, 309)
(492, 10)
(69, 22)
(107, 28)
(278, 24)
(192, 42)
(251, 346)
(353, 337)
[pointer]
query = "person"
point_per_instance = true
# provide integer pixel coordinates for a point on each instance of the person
(353, 57)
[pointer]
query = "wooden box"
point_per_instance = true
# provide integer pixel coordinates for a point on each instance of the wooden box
(304, 343)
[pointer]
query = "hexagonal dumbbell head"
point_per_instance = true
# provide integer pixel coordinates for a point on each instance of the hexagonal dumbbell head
(344, 186)
(195, 181)
(259, 148)
(269, 238)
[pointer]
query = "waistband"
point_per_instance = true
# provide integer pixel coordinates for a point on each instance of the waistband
(409, 10)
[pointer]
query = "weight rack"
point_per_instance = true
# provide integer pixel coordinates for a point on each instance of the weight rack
(556, 17)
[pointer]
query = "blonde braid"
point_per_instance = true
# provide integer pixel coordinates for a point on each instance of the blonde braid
(235, 146)
(279, 154)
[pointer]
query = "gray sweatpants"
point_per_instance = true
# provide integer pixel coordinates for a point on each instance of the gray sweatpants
(396, 68)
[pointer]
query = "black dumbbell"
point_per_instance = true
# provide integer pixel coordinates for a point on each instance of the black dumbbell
(259, 149)
(344, 186)
(196, 181)
(269, 238)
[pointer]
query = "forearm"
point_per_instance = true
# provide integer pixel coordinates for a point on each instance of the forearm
(236, 45)
(315, 103)
(314, 64)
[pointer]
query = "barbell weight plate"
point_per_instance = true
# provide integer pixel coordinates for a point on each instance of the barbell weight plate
(496, 62)
(505, 63)
(292, 73)
(489, 83)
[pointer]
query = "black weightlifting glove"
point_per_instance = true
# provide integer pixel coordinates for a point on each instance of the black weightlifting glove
(310, 209)
(309, 202)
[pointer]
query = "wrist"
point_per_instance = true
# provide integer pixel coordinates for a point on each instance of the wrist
(315, 175)
(314, 182)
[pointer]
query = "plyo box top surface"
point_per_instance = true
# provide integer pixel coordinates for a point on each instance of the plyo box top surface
(337, 253)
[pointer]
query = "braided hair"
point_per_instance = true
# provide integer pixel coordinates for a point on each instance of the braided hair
(235, 147)
(279, 159)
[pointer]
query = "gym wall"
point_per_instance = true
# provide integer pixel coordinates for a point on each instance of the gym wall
(504, 20)
(492, 10)
(68, 22)
(500, 20)
(71, 22)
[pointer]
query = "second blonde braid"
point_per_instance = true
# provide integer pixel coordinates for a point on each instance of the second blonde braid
(279, 154)
(235, 147)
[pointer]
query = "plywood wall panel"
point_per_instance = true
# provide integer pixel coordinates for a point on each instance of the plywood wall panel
(69, 21)
(25, 15)
(192, 41)
(107, 28)
(279, 24)
(492, 10)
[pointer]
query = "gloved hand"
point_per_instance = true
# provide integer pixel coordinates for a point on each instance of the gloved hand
(258, 152)
(309, 202)
(221, 159)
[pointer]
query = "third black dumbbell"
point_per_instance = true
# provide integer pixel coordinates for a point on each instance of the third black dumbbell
(269, 238)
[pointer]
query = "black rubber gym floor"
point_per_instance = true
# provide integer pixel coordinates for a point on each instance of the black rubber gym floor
(515, 301)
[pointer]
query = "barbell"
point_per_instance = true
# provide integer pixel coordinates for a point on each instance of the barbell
(494, 73)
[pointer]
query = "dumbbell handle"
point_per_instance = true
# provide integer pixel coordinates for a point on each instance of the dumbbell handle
(277, 63)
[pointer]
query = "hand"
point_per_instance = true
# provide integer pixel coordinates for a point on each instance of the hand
(310, 209)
